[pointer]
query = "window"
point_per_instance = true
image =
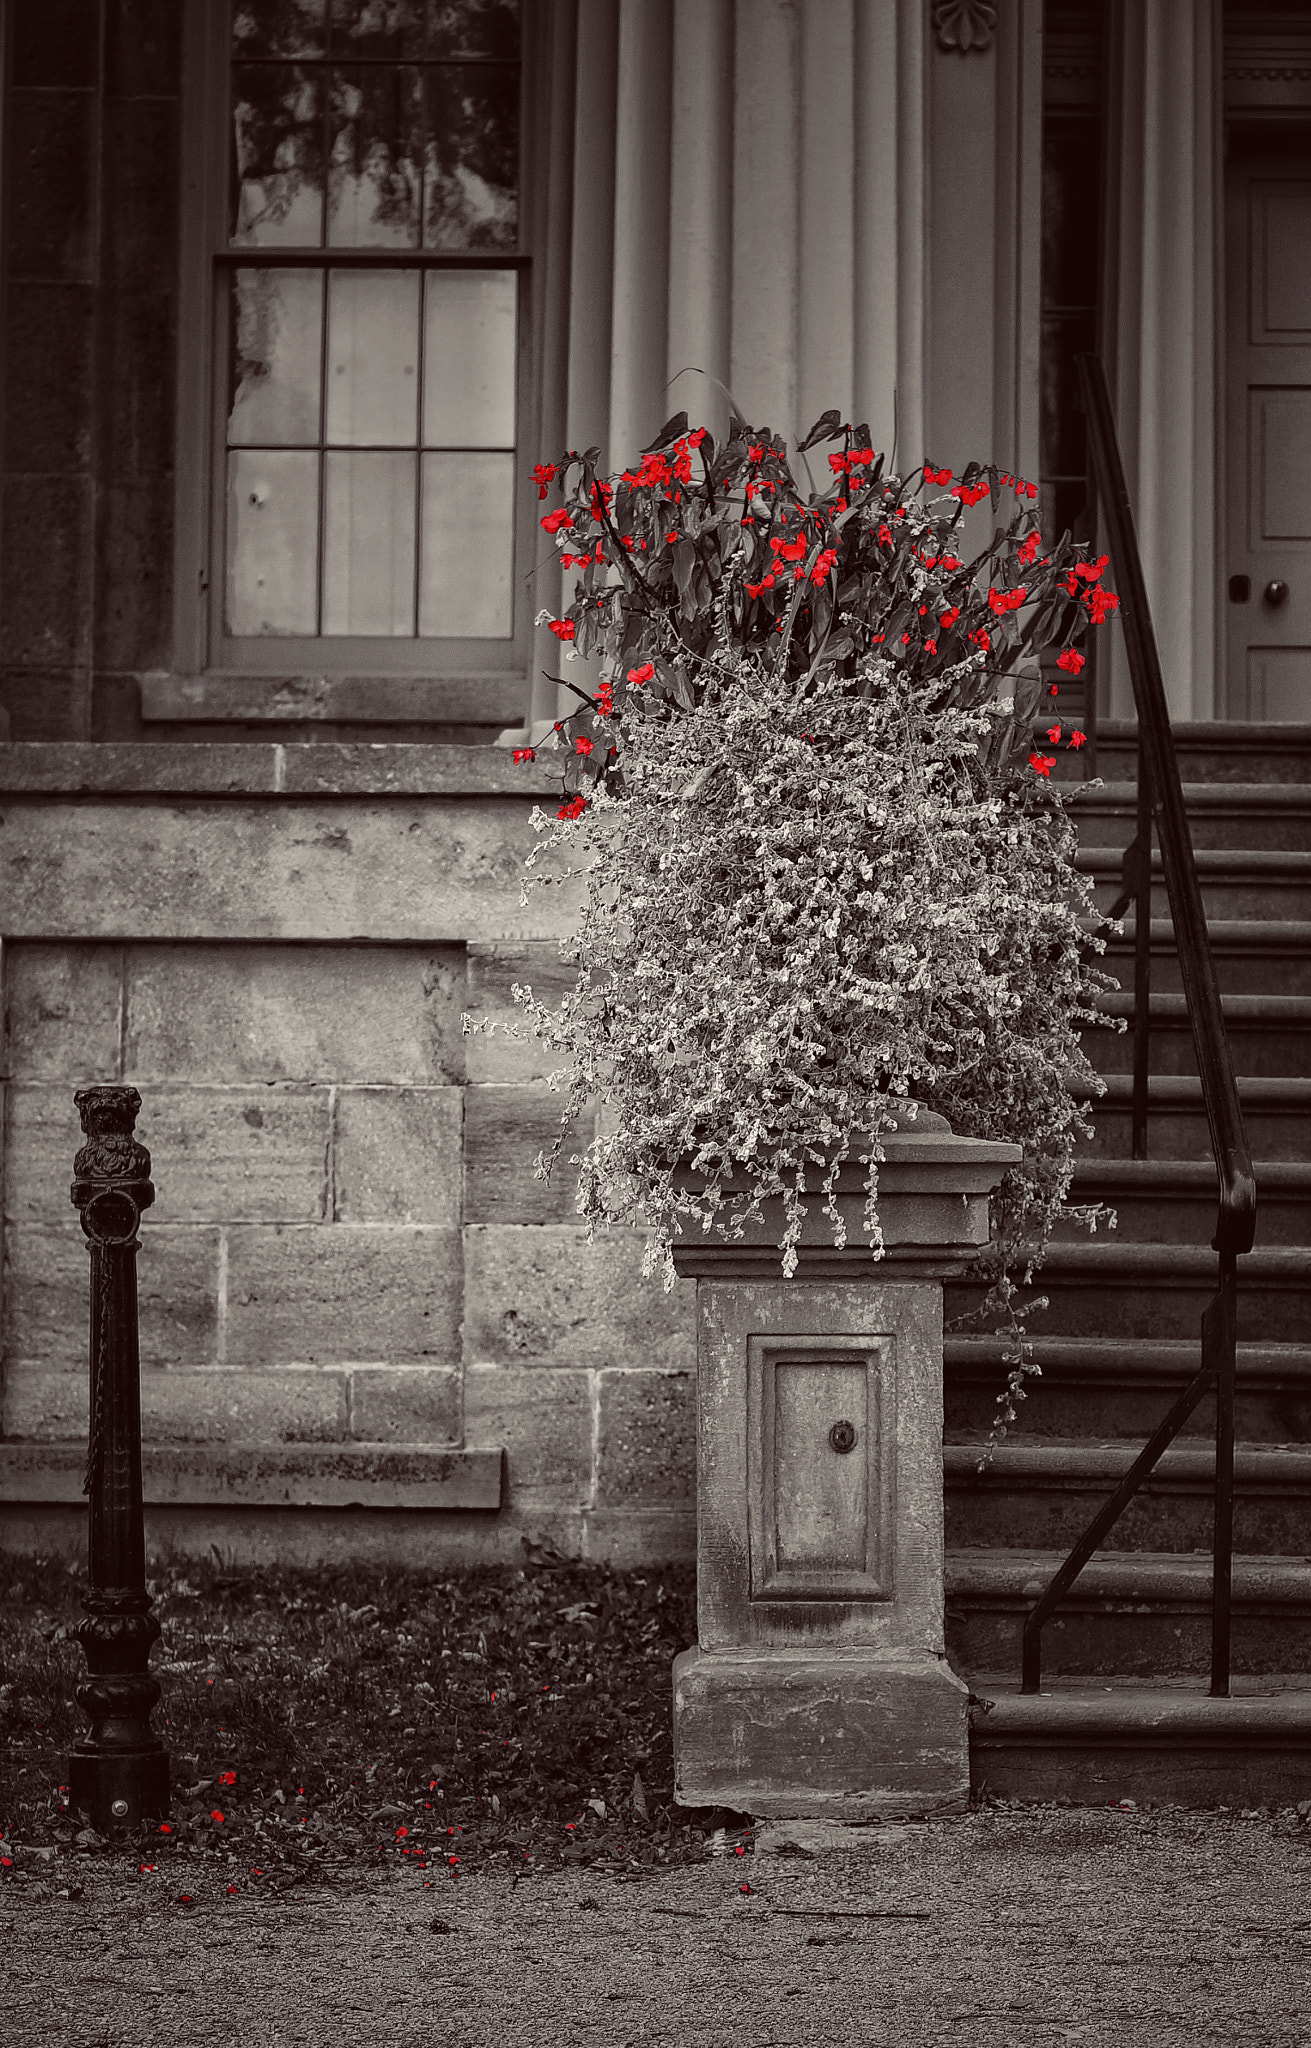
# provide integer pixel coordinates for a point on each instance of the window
(368, 278)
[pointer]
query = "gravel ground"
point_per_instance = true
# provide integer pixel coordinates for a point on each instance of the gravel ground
(1013, 1925)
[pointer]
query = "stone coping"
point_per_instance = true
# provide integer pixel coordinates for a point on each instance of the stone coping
(261, 768)
(270, 1475)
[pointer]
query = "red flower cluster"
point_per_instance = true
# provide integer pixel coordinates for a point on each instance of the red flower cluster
(573, 809)
(1071, 661)
(823, 566)
(525, 754)
(555, 520)
(936, 476)
(1042, 764)
(970, 494)
(1002, 601)
(563, 629)
(643, 674)
(543, 474)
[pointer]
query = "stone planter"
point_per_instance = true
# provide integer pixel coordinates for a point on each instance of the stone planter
(819, 1685)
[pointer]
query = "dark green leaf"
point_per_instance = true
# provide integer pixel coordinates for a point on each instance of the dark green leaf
(826, 428)
(669, 432)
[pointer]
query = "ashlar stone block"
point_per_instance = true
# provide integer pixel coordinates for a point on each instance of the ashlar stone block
(341, 1293)
(416, 1404)
(397, 1155)
(544, 1296)
(646, 1439)
(544, 1419)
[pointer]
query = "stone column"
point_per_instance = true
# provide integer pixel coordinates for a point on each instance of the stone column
(819, 1686)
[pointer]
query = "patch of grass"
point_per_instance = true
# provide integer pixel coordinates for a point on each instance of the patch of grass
(315, 1719)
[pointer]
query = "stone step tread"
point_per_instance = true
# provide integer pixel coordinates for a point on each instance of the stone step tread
(1193, 1264)
(1184, 1091)
(1226, 933)
(1167, 1006)
(1106, 1459)
(1146, 1176)
(1143, 1577)
(1211, 860)
(1118, 795)
(1130, 1712)
(1163, 1352)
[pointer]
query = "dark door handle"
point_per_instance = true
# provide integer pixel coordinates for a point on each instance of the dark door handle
(1276, 592)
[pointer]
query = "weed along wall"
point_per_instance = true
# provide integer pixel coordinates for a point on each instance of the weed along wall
(367, 1330)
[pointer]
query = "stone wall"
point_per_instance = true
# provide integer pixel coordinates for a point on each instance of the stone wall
(349, 1251)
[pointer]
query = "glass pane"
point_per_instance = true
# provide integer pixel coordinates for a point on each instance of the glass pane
(278, 168)
(368, 543)
(378, 28)
(373, 357)
(277, 321)
(277, 28)
(425, 28)
(468, 360)
(471, 187)
(273, 529)
(467, 557)
(376, 157)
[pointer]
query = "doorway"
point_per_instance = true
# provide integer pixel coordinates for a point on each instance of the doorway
(1267, 526)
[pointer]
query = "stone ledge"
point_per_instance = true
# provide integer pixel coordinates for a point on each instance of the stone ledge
(260, 768)
(271, 1475)
(499, 698)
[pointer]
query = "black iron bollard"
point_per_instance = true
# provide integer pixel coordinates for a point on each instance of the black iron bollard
(119, 1771)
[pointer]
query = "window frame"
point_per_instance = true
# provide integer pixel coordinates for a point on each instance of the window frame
(201, 645)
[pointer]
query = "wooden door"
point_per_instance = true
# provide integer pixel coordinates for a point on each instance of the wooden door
(1267, 567)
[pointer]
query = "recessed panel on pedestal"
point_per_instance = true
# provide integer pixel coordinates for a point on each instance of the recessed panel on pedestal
(819, 1458)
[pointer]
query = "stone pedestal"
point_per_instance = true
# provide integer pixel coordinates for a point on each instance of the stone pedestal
(819, 1686)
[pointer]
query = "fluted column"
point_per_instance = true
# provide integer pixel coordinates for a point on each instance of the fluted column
(1165, 289)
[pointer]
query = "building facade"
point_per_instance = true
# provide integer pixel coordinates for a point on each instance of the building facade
(295, 293)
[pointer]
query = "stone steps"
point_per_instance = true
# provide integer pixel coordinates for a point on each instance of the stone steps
(1123, 1710)
(1133, 1611)
(1165, 1742)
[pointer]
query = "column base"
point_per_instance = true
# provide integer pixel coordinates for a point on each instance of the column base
(135, 1780)
(853, 1738)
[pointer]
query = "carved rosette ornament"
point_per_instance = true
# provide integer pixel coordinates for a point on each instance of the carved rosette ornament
(964, 24)
(118, 1774)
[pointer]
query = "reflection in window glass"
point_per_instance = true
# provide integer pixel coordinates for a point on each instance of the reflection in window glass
(273, 516)
(277, 128)
(368, 542)
(385, 126)
(276, 357)
(375, 158)
(469, 358)
(471, 180)
(373, 357)
(278, 28)
(467, 546)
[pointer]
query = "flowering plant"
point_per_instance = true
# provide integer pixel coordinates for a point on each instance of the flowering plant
(827, 867)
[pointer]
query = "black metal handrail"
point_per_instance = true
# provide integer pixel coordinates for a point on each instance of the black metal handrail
(1161, 802)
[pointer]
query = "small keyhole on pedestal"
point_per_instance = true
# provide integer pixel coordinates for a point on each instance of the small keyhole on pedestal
(842, 1436)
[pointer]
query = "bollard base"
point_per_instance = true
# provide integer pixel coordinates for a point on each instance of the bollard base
(135, 1780)
(821, 1737)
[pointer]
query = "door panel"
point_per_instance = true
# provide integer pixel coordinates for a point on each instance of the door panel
(1268, 434)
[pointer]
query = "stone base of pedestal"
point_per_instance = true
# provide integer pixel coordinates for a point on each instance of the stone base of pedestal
(822, 1737)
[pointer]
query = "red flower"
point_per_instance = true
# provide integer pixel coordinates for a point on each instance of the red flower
(164, 1828)
(930, 646)
(573, 809)
(672, 537)
(1077, 738)
(525, 754)
(400, 1832)
(582, 745)
(216, 1815)
(1042, 764)
(1101, 603)
(543, 474)
(1003, 601)
(1028, 550)
(970, 494)
(227, 1777)
(563, 629)
(1054, 734)
(950, 617)
(756, 453)
(885, 536)
(936, 476)
(643, 674)
(555, 520)
(1071, 661)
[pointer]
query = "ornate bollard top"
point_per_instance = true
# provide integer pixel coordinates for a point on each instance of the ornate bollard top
(111, 1183)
